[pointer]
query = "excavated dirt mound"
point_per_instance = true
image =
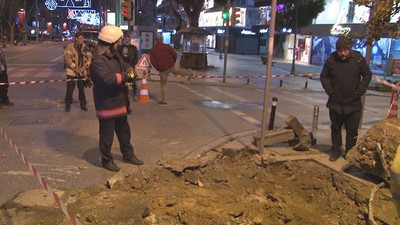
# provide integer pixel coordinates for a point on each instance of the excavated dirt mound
(375, 150)
(234, 187)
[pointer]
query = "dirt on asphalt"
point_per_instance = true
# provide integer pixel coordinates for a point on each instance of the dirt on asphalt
(231, 186)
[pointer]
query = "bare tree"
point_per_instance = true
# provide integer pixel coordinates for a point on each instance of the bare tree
(192, 9)
(10, 11)
(176, 39)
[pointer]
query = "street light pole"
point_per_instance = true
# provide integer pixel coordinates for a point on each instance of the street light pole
(293, 71)
(226, 44)
(268, 76)
(36, 23)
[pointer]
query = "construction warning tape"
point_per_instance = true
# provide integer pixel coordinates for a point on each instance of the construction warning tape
(385, 82)
(40, 81)
(241, 76)
(307, 75)
(42, 181)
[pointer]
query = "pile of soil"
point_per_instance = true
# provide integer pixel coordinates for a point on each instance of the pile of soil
(375, 150)
(227, 187)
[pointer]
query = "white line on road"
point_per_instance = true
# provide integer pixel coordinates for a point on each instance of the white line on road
(18, 74)
(57, 58)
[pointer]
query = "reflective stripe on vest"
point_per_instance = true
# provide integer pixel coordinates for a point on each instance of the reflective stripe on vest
(119, 78)
(111, 112)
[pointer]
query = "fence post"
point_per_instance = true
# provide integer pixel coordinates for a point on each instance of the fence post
(315, 119)
(281, 81)
(248, 79)
(273, 110)
(306, 84)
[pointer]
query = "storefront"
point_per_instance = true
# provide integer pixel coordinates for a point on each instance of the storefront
(324, 38)
(302, 48)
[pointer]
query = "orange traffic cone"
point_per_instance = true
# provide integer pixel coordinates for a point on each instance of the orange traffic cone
(392, 112)
(144, 93)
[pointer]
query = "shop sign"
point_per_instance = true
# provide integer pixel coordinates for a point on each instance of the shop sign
(247, 32)
(339, 30)
(220, 31)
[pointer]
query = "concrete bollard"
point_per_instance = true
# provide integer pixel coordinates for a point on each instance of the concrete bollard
(306, 84)
(315, 119)
(273, 110)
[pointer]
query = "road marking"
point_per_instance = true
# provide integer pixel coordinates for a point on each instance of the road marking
(27, 53)
(244, 116)
(43, 74)
(57, 58)
(17, 173)
(18, 74)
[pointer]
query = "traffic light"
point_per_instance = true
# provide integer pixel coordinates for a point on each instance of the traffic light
(225, 15)
(126, 8)
(235, 17)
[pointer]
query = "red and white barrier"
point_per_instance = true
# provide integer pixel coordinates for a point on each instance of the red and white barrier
(42, 181)
(39, 81)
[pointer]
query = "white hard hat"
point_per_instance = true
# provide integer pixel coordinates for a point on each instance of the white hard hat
(110, 34)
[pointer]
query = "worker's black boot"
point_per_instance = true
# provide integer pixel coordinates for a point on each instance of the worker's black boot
(133, 160)
(335, 154)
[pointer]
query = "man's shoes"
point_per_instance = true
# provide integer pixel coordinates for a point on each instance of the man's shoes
(111, 166)
(162, 103)
(135, 98)
(334, 155)
(67, 108)
(83, 107)
(133, 160)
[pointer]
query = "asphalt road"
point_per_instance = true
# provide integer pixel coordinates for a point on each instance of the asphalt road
(63, 146)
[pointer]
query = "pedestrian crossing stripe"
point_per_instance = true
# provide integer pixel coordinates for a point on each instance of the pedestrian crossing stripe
(144, 62)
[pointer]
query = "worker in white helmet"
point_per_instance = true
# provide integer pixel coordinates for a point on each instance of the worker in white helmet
(110, 75)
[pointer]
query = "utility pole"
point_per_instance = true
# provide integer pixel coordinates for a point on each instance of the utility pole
(368, 54)
(36, 23)
(293, 71)
(268, 77)
(226, 44)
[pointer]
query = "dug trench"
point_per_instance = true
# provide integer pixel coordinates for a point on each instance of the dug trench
(230, 186)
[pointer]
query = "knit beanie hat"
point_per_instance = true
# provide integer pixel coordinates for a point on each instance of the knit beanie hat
(343, 43)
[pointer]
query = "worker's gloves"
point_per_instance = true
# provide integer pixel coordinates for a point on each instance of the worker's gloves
(130, 77)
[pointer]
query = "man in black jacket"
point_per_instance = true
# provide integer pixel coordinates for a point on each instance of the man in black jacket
(4, 100)
(109, 76)
(345, 78)
(129, 54)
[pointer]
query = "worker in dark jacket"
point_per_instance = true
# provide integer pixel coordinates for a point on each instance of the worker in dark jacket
(345, 78)
(109, 76)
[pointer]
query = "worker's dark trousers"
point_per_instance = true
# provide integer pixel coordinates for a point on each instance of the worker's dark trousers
(106, 130)
(70, 90)
(3, 88)
(350, 122)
